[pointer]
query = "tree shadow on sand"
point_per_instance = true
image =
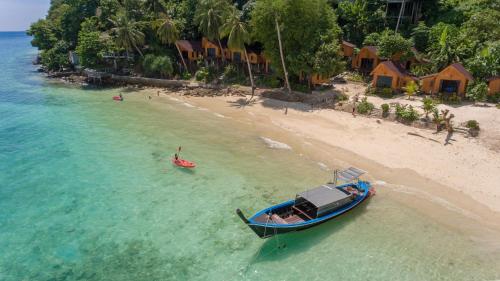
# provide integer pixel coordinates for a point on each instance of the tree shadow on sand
(241, 103)
(448, 139)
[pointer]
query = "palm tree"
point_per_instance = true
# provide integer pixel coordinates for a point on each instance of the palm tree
(168, 33)
(285, 73)
(127, 32)
(210, 16)
(237, 32)
(155, 6)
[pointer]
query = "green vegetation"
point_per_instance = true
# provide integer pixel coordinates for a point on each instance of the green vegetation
(406, 113)
(411, 89)
(385, 109)
(428, 106)
(477, 91)
(300, 37)
(365, 107)
(472, 124)
(157, 66)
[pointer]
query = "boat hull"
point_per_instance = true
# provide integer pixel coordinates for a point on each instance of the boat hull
(266, 230)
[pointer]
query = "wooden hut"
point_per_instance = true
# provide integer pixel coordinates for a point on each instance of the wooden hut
(366, 60)
(211, 49)
(452, 79)
(389, 74)
(347, 49)
(494, 85)
(190, 50)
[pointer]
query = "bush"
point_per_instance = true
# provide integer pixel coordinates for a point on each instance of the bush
(406, 113)
(232, 75)
(230, 72)
(494, 98)
(472, 124)
(355, 77)
(185, 75)
(157, 66)
(365, 107)
(452, 98)
(428, 106)
(477, 91)
(268, 81)
(201, 74)
(385, 109)
(386, 93)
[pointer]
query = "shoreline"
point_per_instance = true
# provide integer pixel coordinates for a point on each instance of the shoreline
(314, 135)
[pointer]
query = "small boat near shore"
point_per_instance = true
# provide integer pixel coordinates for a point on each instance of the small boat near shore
(312, 207)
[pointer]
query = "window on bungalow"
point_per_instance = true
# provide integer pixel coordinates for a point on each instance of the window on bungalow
(237, 57)
(211, 52)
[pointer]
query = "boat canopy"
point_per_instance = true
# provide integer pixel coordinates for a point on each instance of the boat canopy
(350, 174)
(325, 198)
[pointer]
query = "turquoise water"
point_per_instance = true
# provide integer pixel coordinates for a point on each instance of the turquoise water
(87, 193)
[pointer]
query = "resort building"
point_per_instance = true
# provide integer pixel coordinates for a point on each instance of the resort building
(211, 49)
(366, 60)
(452, 79)
(494, 85)
(389, 74)
(347, 49)
(190, 50)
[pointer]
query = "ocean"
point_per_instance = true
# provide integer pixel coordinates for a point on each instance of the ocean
(88, 192)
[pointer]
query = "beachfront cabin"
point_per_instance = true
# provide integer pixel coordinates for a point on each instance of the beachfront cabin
(494, 85)
(347, 49)
(389, 74)
(211, 49)
(190, 50)
(452, 79)
(366, 60)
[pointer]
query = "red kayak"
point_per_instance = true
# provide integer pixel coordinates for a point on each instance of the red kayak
(183, 163)
(118, 98)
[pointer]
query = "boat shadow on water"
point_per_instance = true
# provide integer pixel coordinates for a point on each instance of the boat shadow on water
(286, 245)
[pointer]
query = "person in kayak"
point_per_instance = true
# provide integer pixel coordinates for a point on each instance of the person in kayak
(176, 157)
(121, 96)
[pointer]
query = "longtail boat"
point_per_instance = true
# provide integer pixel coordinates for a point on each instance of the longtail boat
(312, 207)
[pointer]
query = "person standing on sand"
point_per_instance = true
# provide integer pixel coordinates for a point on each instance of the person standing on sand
(286, 110)
(355, 99)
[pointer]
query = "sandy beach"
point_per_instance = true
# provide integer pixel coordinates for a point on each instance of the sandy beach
(416, 166)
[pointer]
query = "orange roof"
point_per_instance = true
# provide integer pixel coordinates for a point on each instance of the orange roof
(396, 68)
(462, 70)
(371, 49)
(348, 44)
(189, 45)
(493, 78)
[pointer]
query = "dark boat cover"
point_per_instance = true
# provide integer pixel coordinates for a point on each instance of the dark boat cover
(325, 198)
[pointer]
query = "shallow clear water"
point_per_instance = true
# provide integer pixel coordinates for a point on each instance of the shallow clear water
(87, 192)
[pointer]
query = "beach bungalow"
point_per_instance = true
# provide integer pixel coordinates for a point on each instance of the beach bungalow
(452, 79)
(389, 74)
(347, 49)
(211, 49)
(190, 50)
(494, 85)
(366, 60)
